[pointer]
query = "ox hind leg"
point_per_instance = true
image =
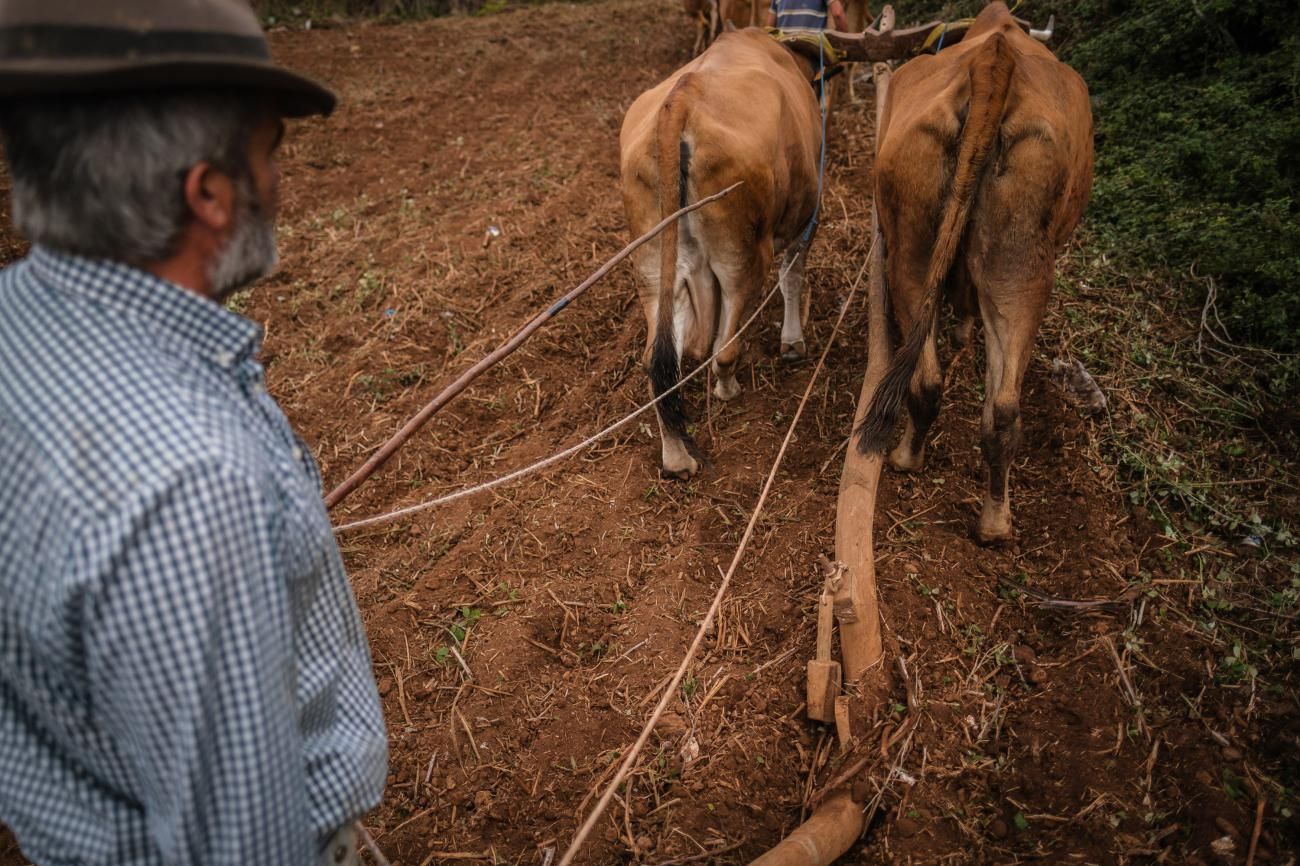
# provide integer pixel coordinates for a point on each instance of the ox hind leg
(694, 309)
(1012, 264)
(922, 409)
(797, 301)
(926, 388)
(738, 286)
(1011, 313)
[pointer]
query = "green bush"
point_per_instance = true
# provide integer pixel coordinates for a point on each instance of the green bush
(1197, 106)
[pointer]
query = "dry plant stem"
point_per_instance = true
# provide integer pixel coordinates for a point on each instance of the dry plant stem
(1254, 835)
(369, 842)
(855, 510)
(830, 831)
(705, 855)
(353, 481)
(670, 692)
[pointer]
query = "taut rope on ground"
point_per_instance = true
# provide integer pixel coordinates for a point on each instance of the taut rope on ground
(573, 449)
(671, 690)
(353, 481)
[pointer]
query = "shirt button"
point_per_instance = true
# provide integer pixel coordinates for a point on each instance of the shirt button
(224, 358)
(297, 453)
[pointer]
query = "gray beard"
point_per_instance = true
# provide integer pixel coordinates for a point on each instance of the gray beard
(249, 254)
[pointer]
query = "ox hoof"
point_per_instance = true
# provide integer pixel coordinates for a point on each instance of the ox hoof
(796, 351)
(685, 472)
(995, 525)
(904, 460)
(726, 389)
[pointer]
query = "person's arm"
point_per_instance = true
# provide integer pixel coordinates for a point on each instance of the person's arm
(192, 668)
(836, 8)
(771, 14)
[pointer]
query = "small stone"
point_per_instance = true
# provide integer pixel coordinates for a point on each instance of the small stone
(644, 843)
(1037, 676)
(482, 798)
(385, 686)
(1025, 655)
(1204, 777)
(450, 783)
(1232, 753)
(1224, 846)
(906, 826)
(912, 568)
(998, 829)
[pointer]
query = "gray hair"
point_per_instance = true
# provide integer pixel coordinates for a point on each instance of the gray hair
(103, 176)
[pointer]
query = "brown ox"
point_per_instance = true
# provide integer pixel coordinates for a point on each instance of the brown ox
(715, 16)
(741, 111)
(983, 171)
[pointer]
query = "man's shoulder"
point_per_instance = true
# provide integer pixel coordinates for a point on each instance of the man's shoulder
(106, 413)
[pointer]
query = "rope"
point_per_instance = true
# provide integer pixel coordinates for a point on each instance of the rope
(821, 159)
(671, 690)
(490, 360)
(568, 452)
(940, 32)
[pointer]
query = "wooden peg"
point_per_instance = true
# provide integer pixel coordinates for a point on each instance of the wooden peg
(823, 673)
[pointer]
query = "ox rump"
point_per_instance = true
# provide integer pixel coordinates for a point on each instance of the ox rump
(741, 111)
(983, 171)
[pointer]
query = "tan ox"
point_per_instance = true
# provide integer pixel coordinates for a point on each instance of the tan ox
(983, 171)
(741, 111)
(714, 16)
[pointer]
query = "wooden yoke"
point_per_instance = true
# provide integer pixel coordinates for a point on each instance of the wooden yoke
(883, 42)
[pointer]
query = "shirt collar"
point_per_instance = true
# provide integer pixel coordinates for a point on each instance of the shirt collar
(209, 329)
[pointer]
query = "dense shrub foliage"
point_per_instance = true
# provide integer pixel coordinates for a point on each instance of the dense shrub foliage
(1197, 107)
(1197, 104)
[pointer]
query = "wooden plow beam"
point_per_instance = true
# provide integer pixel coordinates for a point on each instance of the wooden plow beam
(851, 579)
(838, 822)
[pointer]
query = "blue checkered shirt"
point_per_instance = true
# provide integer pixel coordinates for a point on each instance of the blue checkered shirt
(184, 677)
(800, 14)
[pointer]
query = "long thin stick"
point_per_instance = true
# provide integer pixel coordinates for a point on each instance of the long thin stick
(671, 691)
(399, 438)
(545, 462)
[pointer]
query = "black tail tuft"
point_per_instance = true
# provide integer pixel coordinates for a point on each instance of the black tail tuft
(877, 427)
(683, 173)
(664, 374)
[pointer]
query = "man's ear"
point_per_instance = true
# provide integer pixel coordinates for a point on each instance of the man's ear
(210, 196)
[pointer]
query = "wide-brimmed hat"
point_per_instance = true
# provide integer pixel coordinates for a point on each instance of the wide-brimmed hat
(97, 46)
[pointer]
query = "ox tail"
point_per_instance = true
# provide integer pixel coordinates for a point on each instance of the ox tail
(674, 167)
(990, 81)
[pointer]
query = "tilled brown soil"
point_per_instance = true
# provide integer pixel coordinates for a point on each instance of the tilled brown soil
(520, 638)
